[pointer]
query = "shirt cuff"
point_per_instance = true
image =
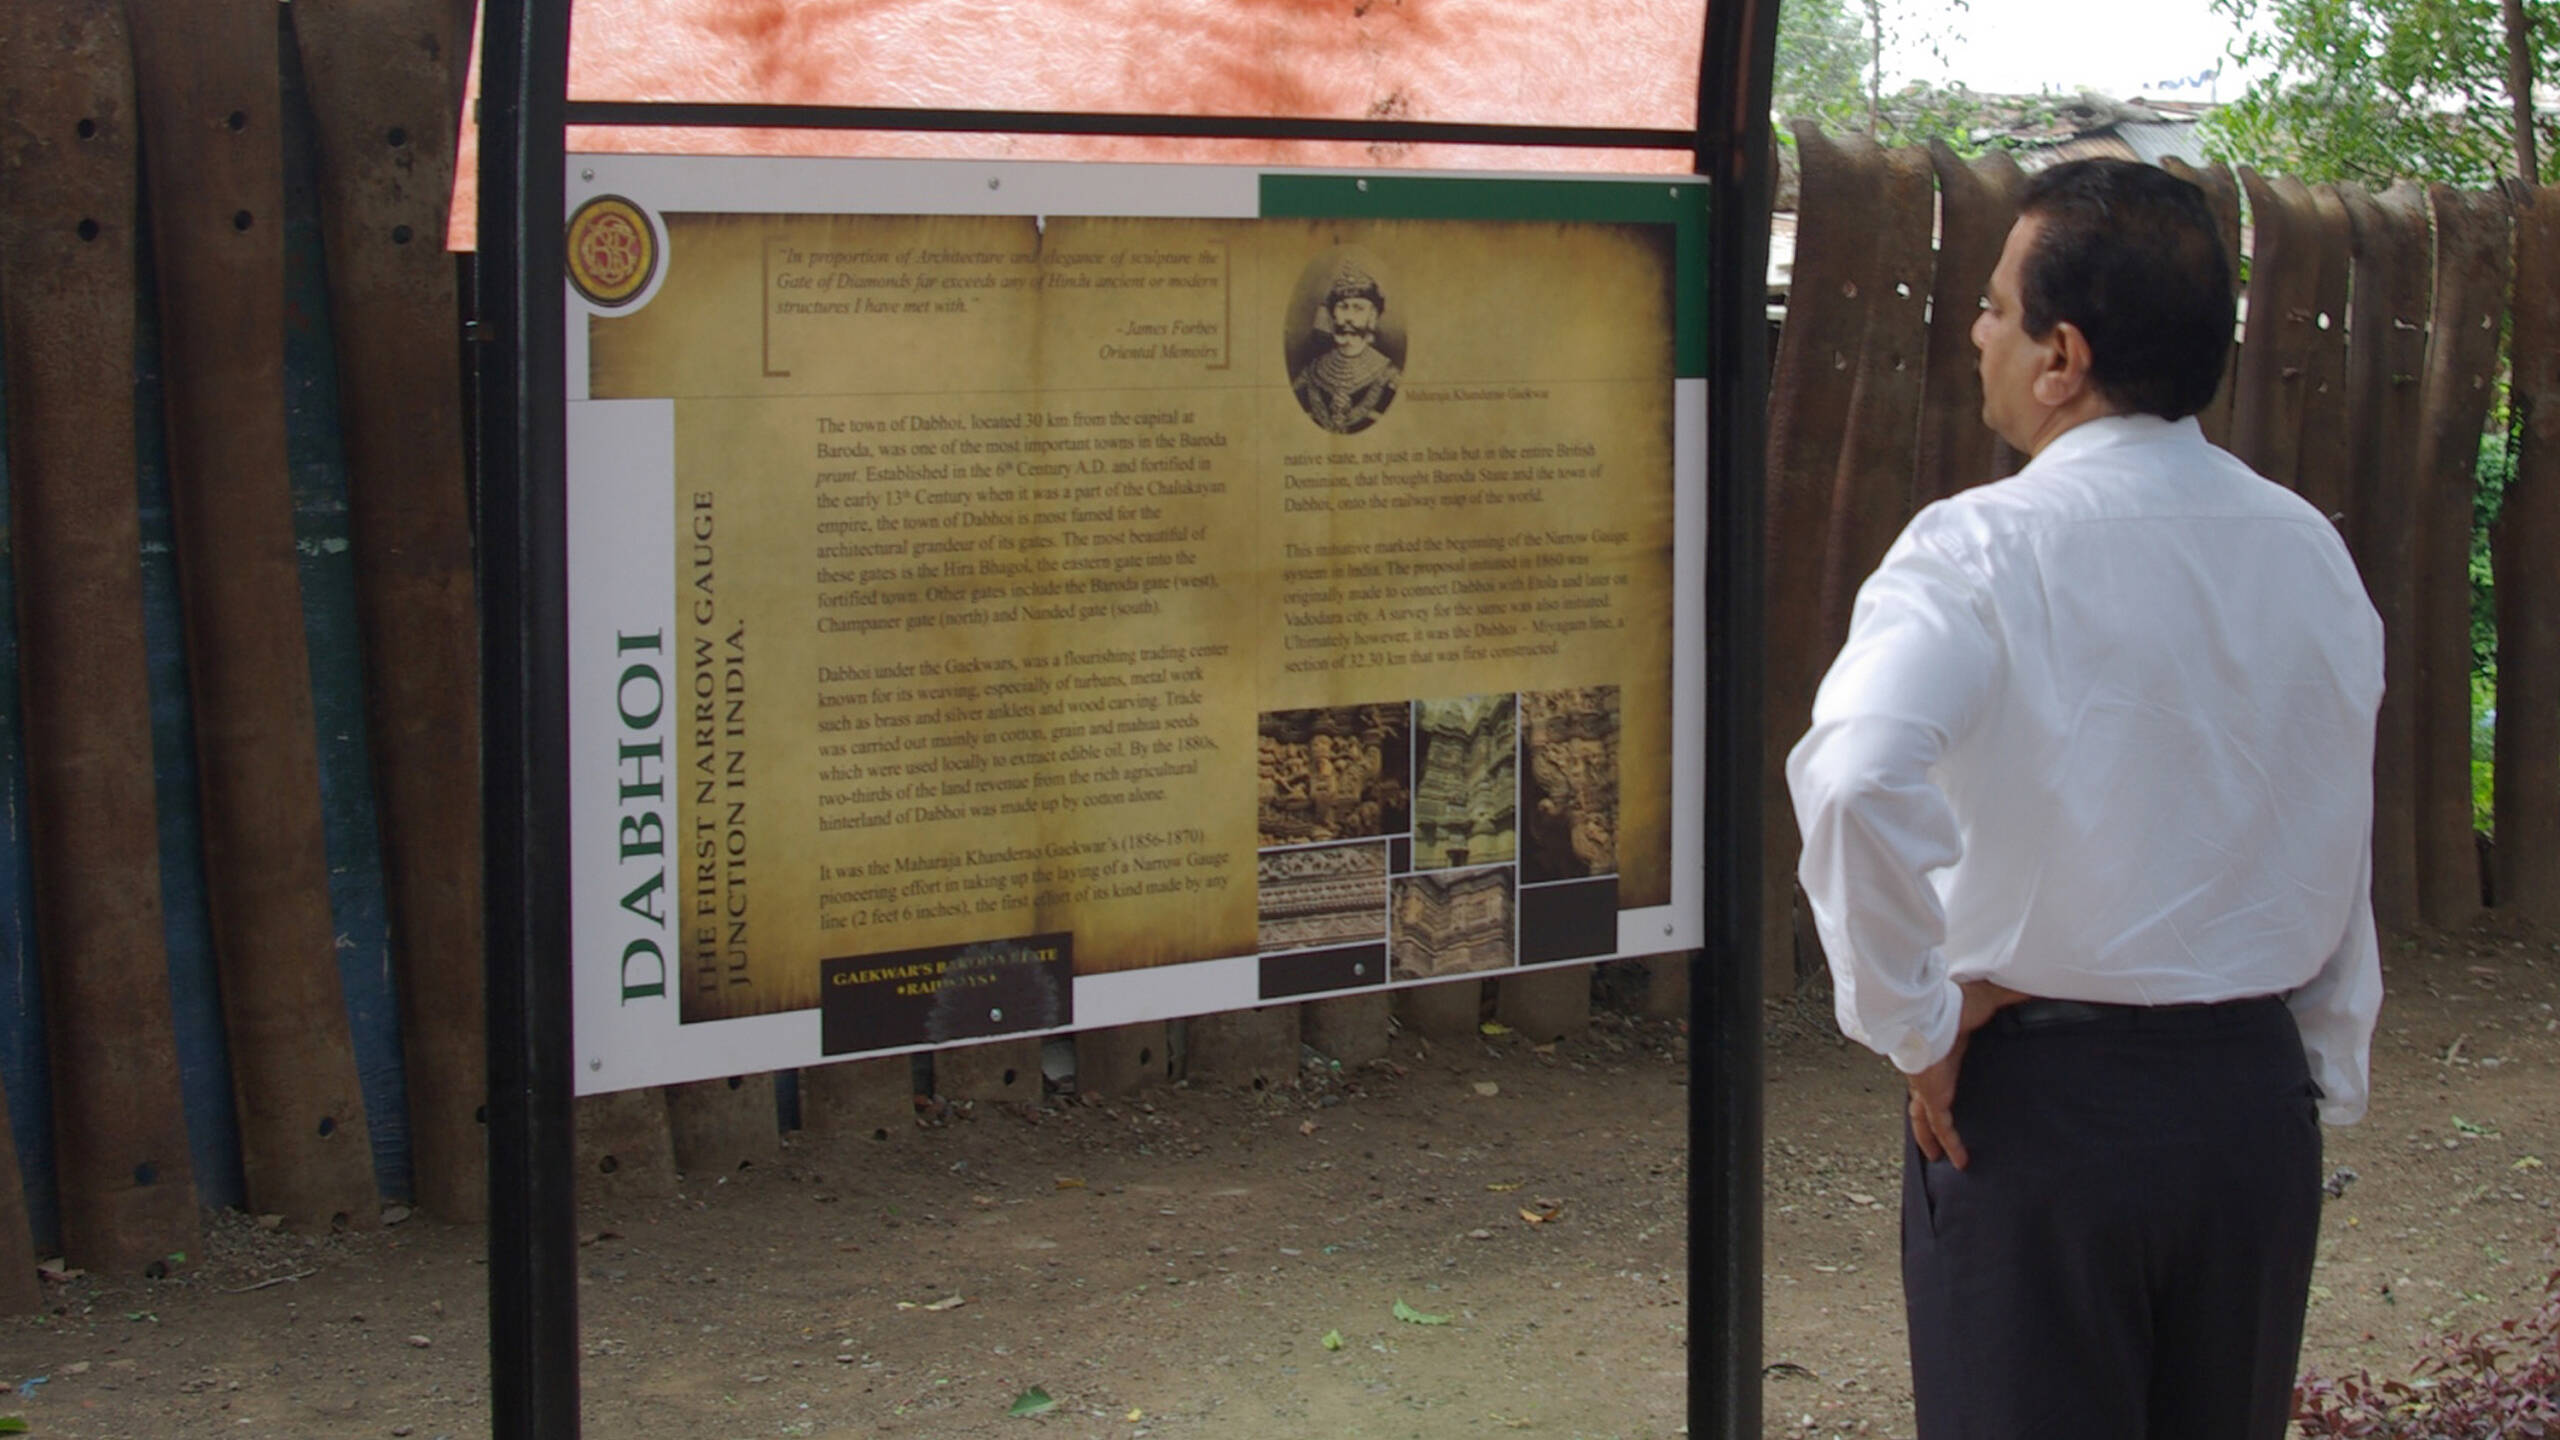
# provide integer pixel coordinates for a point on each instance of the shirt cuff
(1934, 1038)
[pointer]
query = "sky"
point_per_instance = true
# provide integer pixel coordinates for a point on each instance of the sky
(2149, 47)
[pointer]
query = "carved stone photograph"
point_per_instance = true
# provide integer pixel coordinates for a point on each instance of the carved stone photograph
(1466, 792)
(1339, 774)
(1332, 895)
(1451, 923)
(1569, 787)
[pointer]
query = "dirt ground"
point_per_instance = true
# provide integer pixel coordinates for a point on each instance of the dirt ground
(1187, 1266)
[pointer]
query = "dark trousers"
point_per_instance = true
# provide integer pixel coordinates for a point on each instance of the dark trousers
(2127, 1256)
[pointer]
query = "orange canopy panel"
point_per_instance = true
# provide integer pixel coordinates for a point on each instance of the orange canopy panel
(1618, 63)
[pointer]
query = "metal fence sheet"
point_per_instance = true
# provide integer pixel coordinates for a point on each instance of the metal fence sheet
(211, 105)
(2386, 359)
(2462, 364)
(2275, 349)
(386, 154)
(2527, 541)
(1871, 495)
(1977, 203)
(1808, 409)
(2320, 445)
(67, 311)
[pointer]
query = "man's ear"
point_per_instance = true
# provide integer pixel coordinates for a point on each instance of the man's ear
(2063, 375)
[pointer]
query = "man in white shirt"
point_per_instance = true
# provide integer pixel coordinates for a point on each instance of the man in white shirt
(2086, 807)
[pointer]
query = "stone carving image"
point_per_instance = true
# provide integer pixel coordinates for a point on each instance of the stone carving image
(1335, 774)
(1569, 789)
(1451, 923)
(1346, 356)
(1466, 798)
(1335, 895)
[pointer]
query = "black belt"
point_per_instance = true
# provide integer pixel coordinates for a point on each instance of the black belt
(2041, 1014)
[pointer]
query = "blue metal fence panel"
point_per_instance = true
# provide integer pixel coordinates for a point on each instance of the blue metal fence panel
(334, 642)
(195, 991)
(22, 1047)
(336, 645)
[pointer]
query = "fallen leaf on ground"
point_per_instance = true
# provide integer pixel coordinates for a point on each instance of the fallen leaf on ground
(1306, 1127)
(1501, 1187)
(2530, 1162)
(1411, 1316)
(1487, 1087)
(947, 1302)
(1788, 1368)
(1034, 1401)
(1539, 1212)
(1494, 1027)
(1069, 1182)
(1333, 1339)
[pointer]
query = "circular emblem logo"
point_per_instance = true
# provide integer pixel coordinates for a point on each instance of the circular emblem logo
(612, 251)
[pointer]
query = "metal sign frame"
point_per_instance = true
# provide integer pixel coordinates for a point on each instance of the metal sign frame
(520, 386)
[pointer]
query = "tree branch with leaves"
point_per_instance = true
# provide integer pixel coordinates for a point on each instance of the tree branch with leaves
(2375, 90)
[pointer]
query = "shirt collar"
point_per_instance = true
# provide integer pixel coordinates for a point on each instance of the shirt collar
(2109, 432)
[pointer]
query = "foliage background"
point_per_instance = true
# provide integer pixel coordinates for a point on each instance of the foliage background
(2378, 90)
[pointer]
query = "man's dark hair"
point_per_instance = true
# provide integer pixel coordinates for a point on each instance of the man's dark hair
(2131, 254)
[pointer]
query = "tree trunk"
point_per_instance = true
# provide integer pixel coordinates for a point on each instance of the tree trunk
(2520, 88)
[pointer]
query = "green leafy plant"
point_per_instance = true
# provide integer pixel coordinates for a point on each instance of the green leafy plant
(1830, 69)
(2496, 468)
(2375, 90)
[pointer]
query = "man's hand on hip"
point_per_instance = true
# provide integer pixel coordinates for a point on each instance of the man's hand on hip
(1933, 1091)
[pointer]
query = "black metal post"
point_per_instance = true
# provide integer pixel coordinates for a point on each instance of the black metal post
(523, 525)
(1724, 991)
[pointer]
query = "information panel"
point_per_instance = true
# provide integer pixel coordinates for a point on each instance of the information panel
(1016, 598)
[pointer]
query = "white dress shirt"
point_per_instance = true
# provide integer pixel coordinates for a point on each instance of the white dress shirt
(2103, 731)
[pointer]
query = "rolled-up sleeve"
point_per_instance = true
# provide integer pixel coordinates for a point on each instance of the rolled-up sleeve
(1921, 657)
